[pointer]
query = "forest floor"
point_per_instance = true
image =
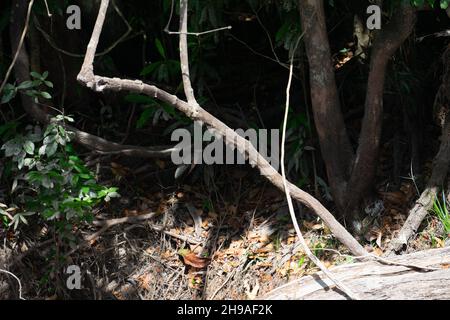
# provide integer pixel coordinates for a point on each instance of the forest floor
(208, 240)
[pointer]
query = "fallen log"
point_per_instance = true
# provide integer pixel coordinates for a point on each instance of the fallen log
(376, 280)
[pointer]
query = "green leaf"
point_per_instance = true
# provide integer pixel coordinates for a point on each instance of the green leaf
(35, 75)
(163, 73)
(25, 85)
(281, 33)
(51, 149)
(47, 183)
(150, 68)
(45, 95)
(8, 96)
(160, 48)
(28, 146)
(48, 213)
(145, 116)
(12, 147)
(85, 190)
(14, 185)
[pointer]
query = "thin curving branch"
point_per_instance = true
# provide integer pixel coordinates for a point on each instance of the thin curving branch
(303, 243)
(231, 138)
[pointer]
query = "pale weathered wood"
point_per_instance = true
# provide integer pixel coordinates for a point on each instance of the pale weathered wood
(374, 280)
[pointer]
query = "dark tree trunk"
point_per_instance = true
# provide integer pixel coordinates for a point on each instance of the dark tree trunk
(386, 44)
(334, 143)
(350, 173)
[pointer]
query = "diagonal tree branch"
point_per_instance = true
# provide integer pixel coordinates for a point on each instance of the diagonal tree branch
(101, 84)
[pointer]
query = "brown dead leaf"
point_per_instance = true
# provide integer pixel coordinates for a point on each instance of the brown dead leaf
(266, 249)
(291, 240)
(377, 251)
(266, 277)
(145, 281)
(213, 215)
(313, 225)
(191, 259)
(205, 224)
(167, 254)
(232, 209)
(395, 198)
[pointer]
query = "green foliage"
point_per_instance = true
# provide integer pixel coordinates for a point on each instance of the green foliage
(441, 211)
(164, 70)
(49, 179)
(30, 87)
(298, 128)
(289, 32)
(442, 3)
(156, 111)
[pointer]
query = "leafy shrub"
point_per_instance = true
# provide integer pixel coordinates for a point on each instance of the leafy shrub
(29, 87)
(49, 179)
